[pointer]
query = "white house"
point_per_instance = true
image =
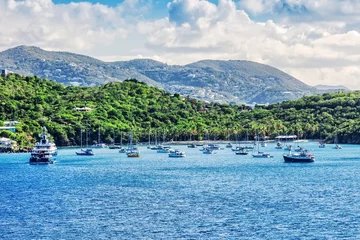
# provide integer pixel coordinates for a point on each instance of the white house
(7, 143)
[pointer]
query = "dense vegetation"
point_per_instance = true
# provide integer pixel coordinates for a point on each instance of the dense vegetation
(133, 106)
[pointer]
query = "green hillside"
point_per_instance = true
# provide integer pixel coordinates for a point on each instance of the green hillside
(134, 106)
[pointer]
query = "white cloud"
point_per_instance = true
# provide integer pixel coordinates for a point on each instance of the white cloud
(318, 50)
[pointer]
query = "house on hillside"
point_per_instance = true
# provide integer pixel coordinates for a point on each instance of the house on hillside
(10, 128)
(5, 72)
(82, 109)
(7, 145)
(11, 123)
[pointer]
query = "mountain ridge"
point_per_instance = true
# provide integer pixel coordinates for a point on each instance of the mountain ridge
(231, 81)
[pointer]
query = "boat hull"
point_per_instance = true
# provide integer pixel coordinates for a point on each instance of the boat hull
(84, 154)
(41, 161)
(290, 159)
(241, 153)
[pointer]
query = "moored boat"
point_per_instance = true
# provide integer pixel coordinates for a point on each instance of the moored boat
(191, 145)
(44, 152)
(177, 154)
(132, 152)
(242, 151)
(208, 151)
(86, 152)
(114, 146)
(262, 155)
(164, 150)
(303, 156)
(337, 146)
(279, 145)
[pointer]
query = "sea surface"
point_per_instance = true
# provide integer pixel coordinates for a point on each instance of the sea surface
(220, 196)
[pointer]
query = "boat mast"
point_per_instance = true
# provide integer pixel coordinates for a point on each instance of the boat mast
(120, 139)
(81, 140)
(99, 135)
(86, 134)
(163, 137)
(131, 136)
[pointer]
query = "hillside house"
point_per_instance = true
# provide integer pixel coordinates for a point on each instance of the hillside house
(82, 109)
(5, 72)
(10, 128)
(7, 145)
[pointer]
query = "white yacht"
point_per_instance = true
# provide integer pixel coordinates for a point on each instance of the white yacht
(44, 152)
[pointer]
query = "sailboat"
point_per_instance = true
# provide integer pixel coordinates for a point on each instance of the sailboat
(131, 151)
(321, 142)
(87, 151)
(122, 150)
(337, 146)
(259, 154)
(115, 145)
(247, 140)
(157, 146)
(149, 145)
(239, 150)
(98, 144)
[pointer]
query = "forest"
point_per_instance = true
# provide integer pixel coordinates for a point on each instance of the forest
(120, 107)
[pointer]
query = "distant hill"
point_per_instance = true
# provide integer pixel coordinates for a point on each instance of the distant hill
(209, 80)
(329, 88)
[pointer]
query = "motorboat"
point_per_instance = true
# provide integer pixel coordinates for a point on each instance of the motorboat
(99, 145)
(242, 151)
(177, 154)
(278, 145)
(303, 156)
(157, 147)
(262, 155)
(213, 146)
(229, 145)
(86, 152)
(44, 151)
(164, 150)
(208, 151)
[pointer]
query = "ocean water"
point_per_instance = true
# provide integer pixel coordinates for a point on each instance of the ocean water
(220, 196)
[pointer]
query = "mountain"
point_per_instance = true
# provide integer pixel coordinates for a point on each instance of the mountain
(329, 88)
(232, 81)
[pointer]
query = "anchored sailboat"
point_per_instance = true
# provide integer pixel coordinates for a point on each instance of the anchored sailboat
(87, 151)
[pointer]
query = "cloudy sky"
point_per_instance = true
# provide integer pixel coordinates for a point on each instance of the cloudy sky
(316, 41)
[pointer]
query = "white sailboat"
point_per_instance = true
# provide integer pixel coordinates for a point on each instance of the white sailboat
(337, 146)
(321, 142)
(87, 151)
(132, 151)
(258, 154)
(99, 144)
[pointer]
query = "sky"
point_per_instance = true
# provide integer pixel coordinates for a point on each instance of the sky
(316, 41)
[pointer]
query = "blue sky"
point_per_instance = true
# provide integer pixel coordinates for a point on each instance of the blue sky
(316, 41)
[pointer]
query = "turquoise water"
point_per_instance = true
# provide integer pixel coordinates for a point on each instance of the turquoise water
(221, 196)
